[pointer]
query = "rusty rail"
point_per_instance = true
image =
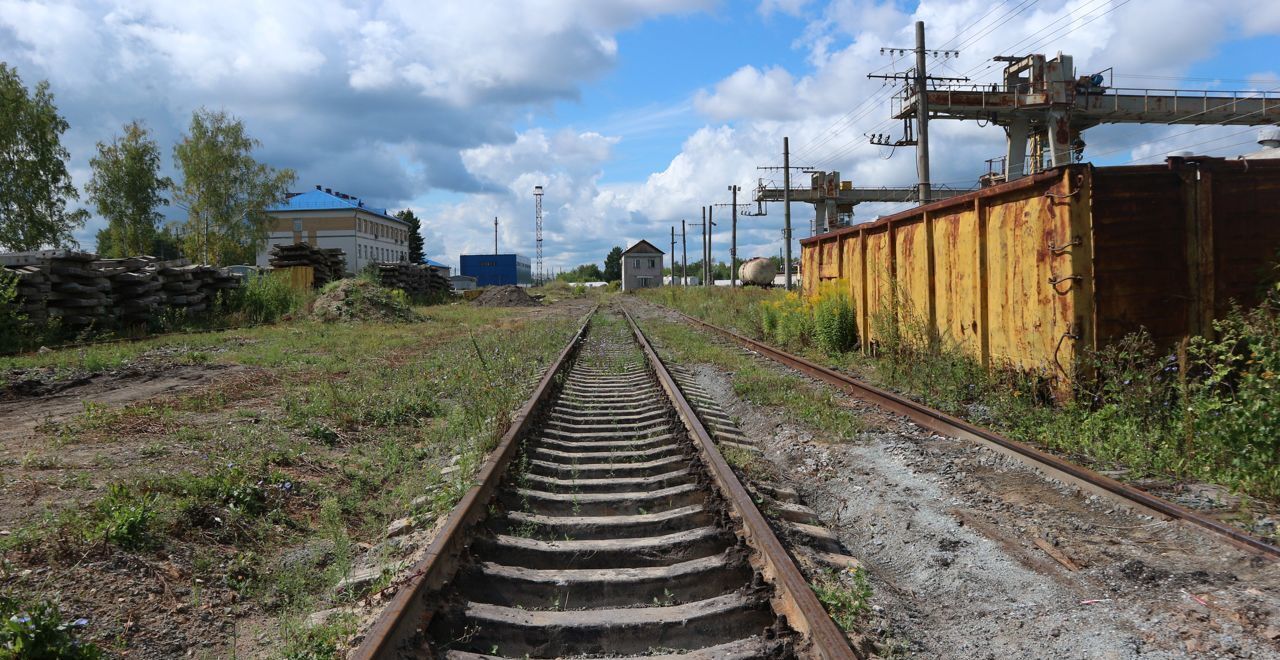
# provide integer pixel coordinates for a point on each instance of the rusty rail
(407, 614)
(944, 424)
(794, 598)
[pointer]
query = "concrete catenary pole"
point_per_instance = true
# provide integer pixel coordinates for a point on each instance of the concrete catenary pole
(703, 227)
(922, 116)
(673, 255)
(684, 248)
(495, 234)
(786, 208)
(711, 223)
(733, 248)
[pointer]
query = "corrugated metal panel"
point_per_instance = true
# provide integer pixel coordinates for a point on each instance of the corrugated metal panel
(1033, 272)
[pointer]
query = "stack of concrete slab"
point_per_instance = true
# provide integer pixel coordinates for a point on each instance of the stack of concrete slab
(79, 290)
(330, 264)
(417, 280)
(136, 295)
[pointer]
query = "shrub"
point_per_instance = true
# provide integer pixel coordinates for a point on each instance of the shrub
(266, 299)
(40, 631)
(1235, 400)
(12, 319)
(834, 328)
(613, 286)
(125, 517)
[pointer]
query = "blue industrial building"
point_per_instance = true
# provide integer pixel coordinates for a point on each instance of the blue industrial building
(497, 269)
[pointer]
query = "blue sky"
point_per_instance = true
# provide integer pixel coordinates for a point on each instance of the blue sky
(632, 113)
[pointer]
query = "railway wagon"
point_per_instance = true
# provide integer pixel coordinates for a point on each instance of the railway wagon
(1034, 273)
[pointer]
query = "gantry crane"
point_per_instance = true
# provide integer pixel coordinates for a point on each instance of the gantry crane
(833, 200)
(1044, 108)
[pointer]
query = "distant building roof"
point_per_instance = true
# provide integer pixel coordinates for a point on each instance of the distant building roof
(643, 247)
(437, 264)
(328, 200)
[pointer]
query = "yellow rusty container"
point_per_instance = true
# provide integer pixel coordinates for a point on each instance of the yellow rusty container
(1033, 273)
(300, 278)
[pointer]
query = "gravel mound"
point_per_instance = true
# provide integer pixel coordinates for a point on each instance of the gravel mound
(361, 300)
(505, 296)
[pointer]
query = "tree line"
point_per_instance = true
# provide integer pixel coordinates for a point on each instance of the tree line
(224, 190)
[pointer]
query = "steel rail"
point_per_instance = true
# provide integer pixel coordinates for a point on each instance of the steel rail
(408, 614)
(793, 598)
(944, 424)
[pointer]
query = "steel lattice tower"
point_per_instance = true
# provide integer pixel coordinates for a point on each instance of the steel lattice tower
(537, 213)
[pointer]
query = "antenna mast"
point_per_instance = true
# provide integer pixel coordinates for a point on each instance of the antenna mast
(537, 206)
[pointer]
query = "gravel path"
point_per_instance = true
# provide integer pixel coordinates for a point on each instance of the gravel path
(958, 543)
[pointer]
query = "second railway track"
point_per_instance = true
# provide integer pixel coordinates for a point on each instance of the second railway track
(606, 524)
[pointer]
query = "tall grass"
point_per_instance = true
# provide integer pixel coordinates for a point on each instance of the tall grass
(265, 300)
(1212, 414)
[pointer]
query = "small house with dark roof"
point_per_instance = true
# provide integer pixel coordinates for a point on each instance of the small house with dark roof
(641, 267)
(326, 218)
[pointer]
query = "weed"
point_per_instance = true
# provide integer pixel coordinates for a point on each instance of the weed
(40, 631)
(845, 594)
(125, 517)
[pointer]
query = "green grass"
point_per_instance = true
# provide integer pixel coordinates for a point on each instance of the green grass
(352, 422)
(756, 382)
(1133, 409)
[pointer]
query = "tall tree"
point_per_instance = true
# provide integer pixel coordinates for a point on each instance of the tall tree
(582, 273)
(224, 190)
(417, 250)
(613, 265)
(34, 183)
(128, 191)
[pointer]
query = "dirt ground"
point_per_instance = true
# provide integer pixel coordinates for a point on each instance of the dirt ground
(954, 539)
(153, 600)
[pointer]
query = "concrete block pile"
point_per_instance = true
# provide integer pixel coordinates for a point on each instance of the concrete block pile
(78, 290)
(330, 264)
(417, 280)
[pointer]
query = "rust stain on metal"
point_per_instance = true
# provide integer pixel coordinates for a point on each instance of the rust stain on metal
(1034, 273)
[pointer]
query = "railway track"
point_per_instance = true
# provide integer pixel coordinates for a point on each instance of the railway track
(606, 524)
(1053, 466)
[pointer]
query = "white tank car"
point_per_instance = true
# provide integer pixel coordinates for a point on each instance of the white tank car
(758, 271)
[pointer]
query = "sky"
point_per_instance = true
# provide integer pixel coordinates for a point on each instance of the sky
(632, 114)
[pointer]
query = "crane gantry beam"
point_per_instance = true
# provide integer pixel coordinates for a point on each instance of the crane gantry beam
(1043, 104)
(833, 198)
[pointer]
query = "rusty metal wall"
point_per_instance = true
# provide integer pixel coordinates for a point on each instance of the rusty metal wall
(974, 270)
(1034, 272)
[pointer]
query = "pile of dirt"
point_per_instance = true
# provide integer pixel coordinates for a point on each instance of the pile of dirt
(505, 296)
(361, 300)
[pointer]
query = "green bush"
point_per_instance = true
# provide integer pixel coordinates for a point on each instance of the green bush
(12, 320)
(613, 286)
(1235, 400)
(834, 327)
(40, 631)
(125, 518)
(265, 299)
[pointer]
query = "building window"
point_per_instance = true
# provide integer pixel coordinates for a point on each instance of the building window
(297, 224)
(651, 263)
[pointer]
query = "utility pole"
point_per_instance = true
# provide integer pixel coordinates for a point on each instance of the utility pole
(786, 206)
(684, 248)
(673, 255)
(710, 225)
(704, 246)
(495, 234)
(922, 117)
(918, 82)
(733, 249)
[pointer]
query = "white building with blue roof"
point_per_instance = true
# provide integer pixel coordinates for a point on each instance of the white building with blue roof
(326, 218)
